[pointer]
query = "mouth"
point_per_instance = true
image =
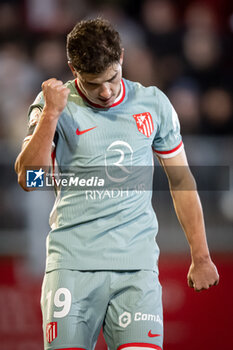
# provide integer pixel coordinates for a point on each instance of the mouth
(108, 101)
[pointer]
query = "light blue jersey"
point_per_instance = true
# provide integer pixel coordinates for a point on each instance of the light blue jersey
(108, 227)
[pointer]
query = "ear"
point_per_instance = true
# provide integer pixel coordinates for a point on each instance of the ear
(122, 56)
(72, 69)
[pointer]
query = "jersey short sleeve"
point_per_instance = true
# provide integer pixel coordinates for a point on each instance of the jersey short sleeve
(167, 141)
(34, 114)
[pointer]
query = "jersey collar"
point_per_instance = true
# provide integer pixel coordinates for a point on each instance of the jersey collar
(118, 100)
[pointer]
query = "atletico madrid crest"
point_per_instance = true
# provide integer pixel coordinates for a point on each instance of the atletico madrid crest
(51, 331)
(144, 123)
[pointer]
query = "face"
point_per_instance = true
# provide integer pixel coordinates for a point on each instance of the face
(102, 88)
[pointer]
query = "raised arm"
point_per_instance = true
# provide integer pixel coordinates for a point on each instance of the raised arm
(202, 273)
(37, 150)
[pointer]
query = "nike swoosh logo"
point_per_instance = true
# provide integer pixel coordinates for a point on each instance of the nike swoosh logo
(79, 132)
(152, 335)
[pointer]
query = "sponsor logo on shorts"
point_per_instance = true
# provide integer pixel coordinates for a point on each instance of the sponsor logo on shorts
(51, 331)
(152, 335)
(147, 317)
(126, 318)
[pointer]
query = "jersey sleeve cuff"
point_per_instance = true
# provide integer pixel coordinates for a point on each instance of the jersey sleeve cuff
(27, 138)
(171, 153)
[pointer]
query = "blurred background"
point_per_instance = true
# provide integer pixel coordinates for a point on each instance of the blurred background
(184, 48)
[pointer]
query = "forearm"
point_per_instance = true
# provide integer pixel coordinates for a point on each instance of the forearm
(202, 273)
(190, 215)
(37, 151)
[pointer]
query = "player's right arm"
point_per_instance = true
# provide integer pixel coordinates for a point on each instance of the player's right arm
(36, 152)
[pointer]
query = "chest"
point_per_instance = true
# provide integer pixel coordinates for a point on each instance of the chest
(90, 136)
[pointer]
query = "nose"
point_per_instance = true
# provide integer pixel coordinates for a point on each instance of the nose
(105, 91)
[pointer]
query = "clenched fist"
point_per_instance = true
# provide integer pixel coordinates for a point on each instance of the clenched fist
(202, 275)
(55, 95)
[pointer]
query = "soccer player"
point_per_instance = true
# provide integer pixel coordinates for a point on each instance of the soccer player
(101, 266)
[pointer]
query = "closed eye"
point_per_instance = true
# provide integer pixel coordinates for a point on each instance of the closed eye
(92, 84)
(114, 77)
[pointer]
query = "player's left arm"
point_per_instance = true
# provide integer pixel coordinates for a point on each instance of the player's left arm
(202, 273)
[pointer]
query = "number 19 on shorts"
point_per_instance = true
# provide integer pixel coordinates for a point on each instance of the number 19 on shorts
(61, 300)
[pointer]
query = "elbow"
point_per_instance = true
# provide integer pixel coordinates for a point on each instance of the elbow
(21, 177)
(22, 182)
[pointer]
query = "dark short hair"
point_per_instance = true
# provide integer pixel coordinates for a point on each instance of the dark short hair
(93, 45)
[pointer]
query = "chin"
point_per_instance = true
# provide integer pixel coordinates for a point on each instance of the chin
(107, 103)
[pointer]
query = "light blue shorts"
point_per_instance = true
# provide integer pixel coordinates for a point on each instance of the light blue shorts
(76, 304)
